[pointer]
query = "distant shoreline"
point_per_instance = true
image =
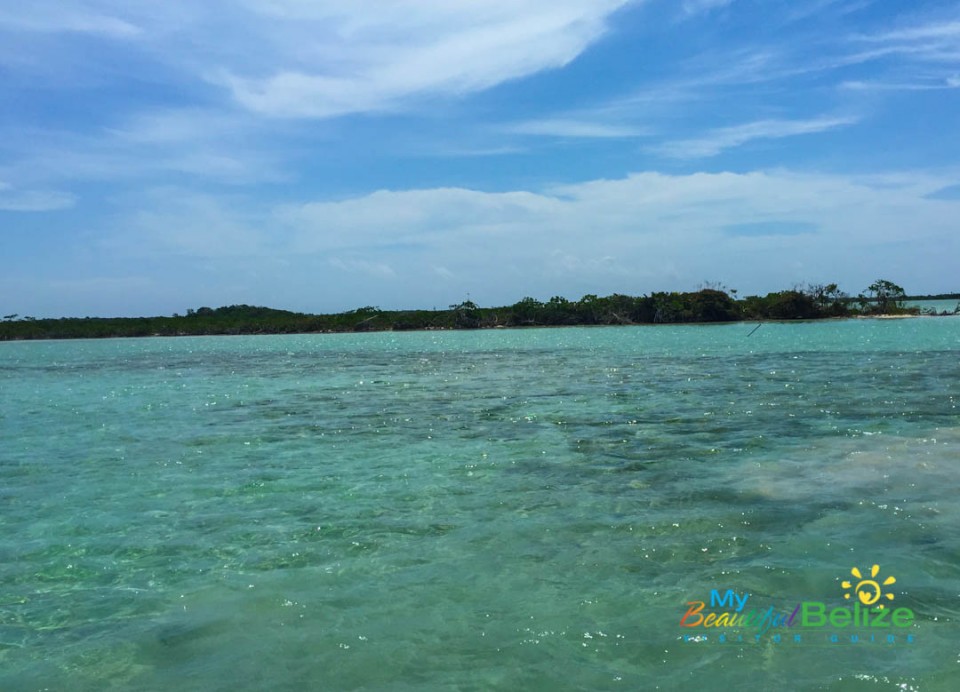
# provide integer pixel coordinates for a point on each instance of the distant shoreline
(260, 332)
(885, 300)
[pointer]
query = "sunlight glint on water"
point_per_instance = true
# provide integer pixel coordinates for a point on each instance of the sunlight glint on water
(523, 509)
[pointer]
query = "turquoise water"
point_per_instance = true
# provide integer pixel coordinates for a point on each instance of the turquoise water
(504, 509)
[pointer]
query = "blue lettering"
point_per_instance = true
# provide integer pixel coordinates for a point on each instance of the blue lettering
(729, 599)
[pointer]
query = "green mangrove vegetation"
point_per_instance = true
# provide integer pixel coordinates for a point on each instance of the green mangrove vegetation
(710, 303)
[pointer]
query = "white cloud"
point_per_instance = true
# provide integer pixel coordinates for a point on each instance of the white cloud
(716, 141)
(377, 56)
(179, 126)
(573, 128)
(459, 151)
(799, 11)
(666, 101)
(935, 41)
(648, 231)
(387, 217)
(922, 32)
(709, 76)
(927, 85)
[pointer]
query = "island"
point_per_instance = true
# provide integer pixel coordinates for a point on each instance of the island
(709, 304)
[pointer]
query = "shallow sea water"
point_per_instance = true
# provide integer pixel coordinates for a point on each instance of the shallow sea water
(503, 509)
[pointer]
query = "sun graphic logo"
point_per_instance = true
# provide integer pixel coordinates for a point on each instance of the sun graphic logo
(869, 591)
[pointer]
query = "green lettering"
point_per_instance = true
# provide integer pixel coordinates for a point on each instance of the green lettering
(839, 617)
(902, 617)
(812, 614)
(880, 618)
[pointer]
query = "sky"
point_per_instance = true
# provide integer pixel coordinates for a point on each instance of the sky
(320, 156)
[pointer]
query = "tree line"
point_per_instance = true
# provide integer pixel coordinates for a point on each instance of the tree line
(708, 304)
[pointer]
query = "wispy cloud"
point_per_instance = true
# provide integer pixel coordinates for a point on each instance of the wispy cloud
(704, 78)
(935, 41)
(701, 76)
(925, 56)
(212, 145)
(388, 54)
(663, 100)
(804, 10)
(950, 82)
(46, 16)
(473, 152)
(560, 127)
(721, 139)
(181, 126)
(12, 199)
(922, 32)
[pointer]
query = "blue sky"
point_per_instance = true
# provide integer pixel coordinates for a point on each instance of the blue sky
(320, 156)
